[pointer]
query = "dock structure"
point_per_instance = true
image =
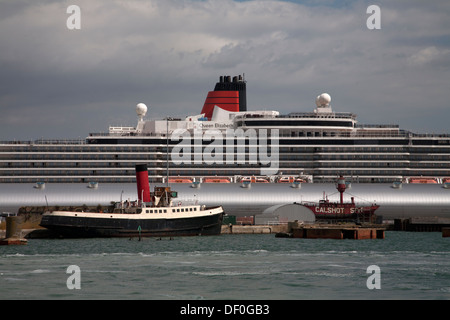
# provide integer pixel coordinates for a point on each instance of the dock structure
(13, 241)
(13, 234)
(253, 229)
(338, 233)
(422, 224)
(446, 232)
(326, 231)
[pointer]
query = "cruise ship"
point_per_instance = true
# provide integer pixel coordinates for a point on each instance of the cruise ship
(226, 143)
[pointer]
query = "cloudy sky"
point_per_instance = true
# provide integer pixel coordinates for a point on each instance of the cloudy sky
(62, 83)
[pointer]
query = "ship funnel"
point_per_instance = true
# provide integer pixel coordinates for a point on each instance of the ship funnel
(229, 94)
(143, 186)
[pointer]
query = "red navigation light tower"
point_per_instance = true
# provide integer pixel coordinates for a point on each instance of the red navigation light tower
(341, 187)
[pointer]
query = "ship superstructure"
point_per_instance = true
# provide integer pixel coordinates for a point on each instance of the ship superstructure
(218, 146)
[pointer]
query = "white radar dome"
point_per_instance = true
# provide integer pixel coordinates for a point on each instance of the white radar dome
(141, 109)
(323, 100)
(318, 101)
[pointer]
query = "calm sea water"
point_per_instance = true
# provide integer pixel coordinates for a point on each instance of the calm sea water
(237, 267)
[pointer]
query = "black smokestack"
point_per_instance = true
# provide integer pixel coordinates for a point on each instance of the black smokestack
(236, 84)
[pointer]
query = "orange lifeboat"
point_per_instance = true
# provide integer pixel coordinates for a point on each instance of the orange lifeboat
(423, 180)
(290, 180)
(216, 180)
(286, 180)
(254, 179)
(180, 180)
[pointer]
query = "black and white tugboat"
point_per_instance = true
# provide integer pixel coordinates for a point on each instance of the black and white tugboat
(152, 215)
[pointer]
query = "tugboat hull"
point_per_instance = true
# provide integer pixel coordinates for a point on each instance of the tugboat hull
(153, 215)
(78, 225)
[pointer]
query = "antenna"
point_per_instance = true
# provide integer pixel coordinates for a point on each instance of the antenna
(46, 201)
(167, 160)
(167, 151)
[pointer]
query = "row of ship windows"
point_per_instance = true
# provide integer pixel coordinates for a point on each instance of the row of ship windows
(309, 164)
(130, 166)
(321, 171)
(78, 156)
(125, 173)
(358, 141)
(313, 145)
(81, 160)
(297, 164)
(412, 157)
(385, 164)
(319, 176)
(78, 148)
(282, 156)
(148, 152)
(354, 170)
(177, 210)
(72, 164)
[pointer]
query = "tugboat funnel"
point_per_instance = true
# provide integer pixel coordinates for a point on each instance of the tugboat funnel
(143, 186)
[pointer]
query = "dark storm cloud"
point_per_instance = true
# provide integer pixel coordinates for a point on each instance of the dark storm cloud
(56, 82)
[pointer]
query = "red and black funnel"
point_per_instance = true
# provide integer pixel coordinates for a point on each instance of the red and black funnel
(229, 94)
(143, 186)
